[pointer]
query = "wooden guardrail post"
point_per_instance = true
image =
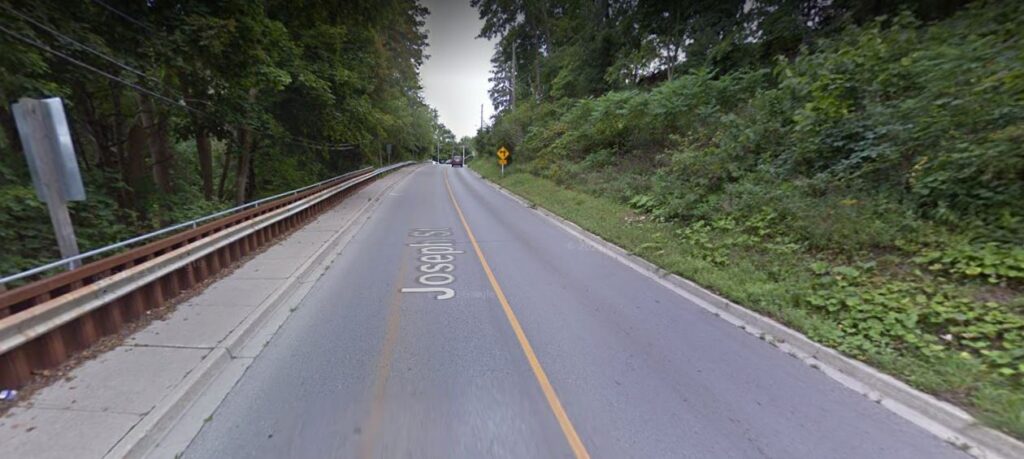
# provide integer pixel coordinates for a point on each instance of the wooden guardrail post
(75, 322)
(14, 368)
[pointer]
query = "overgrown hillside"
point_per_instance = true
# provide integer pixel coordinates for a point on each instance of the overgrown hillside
(867, 188)
(180, 108)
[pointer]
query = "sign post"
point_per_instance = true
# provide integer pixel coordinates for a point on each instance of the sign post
(46, 140)
(502, 159)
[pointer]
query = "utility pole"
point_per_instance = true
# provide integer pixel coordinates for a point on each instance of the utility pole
(481, 117)
(514, 76)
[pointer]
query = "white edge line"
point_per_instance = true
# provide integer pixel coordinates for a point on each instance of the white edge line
(150, 430)
(946, 421)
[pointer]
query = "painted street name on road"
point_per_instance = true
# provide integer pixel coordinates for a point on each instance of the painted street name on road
(438, 257)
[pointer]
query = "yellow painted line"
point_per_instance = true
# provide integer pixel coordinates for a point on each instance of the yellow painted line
(542, 378)
(387, 351)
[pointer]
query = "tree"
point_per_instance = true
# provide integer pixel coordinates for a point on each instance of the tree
(180, 107)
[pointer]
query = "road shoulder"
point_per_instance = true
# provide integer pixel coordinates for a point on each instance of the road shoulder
(942, 419)
(127, 401)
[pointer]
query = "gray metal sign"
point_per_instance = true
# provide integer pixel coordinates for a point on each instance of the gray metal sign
(46, 139)
(58, 152)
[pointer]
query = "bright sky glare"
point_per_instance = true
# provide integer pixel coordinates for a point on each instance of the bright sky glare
(455, 76)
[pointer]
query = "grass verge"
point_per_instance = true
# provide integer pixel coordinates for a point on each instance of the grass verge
(782, 280)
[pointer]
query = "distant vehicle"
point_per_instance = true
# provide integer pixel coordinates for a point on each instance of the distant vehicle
(456, 161)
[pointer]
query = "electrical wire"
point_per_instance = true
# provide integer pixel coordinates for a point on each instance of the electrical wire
(79, 63)
(161, 97)
(129, 18)
(76, 43)
(124, 16)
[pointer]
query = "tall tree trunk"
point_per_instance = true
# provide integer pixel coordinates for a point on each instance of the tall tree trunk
(225, 167)
(159, 145)
(244, 158)
(9, 126)
(243, 164)
(536, 70)
(135, 165)
(123, 151)
(204, 150)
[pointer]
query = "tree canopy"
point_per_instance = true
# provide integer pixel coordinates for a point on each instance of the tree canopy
(579, 48)
(851, 168)
(179, 107)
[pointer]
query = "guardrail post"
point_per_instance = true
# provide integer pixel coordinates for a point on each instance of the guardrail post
(110, 318)
(230, 254)
(200, 270)
(155, 292)
(85, 330)
(45, 348)
(170, 285)
(185, 278)
(49, 349)
(135, 305)
(220, 260)
(14, 368)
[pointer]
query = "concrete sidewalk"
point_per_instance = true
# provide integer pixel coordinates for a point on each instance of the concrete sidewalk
(123, 402)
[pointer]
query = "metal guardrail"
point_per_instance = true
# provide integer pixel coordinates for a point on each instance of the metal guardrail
(170, 229)
(43, 323)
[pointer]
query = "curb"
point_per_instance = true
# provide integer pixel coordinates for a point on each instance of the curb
(147, 434)
(944, 420)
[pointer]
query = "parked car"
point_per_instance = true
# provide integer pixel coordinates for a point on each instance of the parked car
(456, 161)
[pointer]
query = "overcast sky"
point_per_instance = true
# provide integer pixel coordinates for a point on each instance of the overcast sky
(455, 75)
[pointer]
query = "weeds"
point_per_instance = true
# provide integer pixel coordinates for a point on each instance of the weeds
(887, 309)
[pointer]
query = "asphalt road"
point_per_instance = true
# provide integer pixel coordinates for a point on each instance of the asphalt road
(579, 354)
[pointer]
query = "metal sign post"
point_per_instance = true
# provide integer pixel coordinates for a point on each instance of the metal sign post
(46, 140)
(502, 159)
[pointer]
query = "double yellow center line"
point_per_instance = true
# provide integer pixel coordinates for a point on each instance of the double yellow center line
(542, 378)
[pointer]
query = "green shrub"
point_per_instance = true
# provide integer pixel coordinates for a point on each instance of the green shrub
(992, 261)
(887, 158)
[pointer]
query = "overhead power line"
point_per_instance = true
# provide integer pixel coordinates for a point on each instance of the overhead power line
(124, 15)
(161, 97)
(79, 63)
(77, 43)
(129, 18)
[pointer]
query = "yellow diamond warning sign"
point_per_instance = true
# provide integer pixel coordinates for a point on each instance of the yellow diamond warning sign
(502, 153)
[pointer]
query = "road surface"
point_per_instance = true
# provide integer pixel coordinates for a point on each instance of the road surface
(553, 349)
